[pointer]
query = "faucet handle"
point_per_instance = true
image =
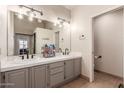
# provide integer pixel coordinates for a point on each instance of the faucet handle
(32, 56)
(22, 56)
(60, 50)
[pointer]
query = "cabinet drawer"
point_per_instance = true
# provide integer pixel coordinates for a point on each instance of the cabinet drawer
(57, 70)
(57, 64)
(56, 79)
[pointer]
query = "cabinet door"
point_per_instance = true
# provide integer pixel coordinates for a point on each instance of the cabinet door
(38, 77)
(77, 66)
(69, 69)
(17, 78)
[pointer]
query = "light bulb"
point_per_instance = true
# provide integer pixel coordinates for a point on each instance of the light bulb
(66, 24)
(20, 16)
(60, 25)
(58, 22)
(20, 13)
(31, 15)
(30, 18)
(55, 24)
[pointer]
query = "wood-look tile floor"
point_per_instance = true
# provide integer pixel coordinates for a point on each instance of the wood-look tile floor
(101, 81)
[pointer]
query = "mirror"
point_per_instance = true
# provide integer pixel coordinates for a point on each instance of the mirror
(32, 34)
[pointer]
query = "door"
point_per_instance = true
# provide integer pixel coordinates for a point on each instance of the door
(38, 77)
(108, 43)
(69, 69)
(17, 78)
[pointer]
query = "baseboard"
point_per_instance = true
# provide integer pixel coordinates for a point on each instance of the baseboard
(85, 77)
(109, 74)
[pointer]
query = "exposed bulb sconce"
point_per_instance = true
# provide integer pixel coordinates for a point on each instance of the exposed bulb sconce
(31, 13)
(60, 25)
(61, 22)
(32, 9)
(20, 14)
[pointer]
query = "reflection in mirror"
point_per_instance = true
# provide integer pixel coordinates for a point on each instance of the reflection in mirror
(25, 35)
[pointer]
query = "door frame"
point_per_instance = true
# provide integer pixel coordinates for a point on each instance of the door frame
(92, 39)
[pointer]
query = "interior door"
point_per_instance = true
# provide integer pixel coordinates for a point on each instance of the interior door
(108, 42)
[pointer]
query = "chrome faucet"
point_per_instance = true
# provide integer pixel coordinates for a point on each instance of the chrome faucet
(27, 53)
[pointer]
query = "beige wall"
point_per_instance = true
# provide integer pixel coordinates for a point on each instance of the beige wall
(81, 23)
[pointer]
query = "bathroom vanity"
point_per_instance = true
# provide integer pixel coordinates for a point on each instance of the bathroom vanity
(41, 72)
(28, 37)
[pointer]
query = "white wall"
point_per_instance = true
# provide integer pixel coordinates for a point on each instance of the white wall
(3, 30)
(81, 23)
(51, 13)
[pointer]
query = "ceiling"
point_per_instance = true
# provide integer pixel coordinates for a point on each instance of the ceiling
(70, 7)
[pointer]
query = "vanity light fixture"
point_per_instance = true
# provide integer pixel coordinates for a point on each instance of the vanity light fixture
(32, 9)
(20, 14)
(61, 22)
(31, 13)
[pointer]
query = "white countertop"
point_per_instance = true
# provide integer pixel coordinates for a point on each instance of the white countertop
(15, 62)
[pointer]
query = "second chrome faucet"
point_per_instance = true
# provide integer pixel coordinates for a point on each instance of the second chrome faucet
(66, 51)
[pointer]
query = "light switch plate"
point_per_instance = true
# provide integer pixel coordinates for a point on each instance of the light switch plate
(81, 37)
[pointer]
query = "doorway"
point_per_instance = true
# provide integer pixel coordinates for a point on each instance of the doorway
(108, 43)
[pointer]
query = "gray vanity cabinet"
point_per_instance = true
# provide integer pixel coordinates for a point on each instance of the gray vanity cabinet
(38, 77)
(69, 69)
(42, 76)
(77, 67)
(17, 78)
(55, 74)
